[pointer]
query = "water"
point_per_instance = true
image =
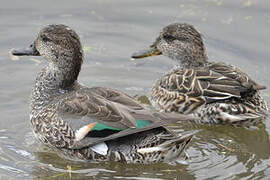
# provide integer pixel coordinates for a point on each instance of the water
(236, 32)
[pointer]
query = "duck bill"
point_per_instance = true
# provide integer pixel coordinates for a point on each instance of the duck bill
(30, 51)
(152, 51)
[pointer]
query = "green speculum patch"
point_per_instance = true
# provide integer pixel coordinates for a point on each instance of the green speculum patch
(100, 126)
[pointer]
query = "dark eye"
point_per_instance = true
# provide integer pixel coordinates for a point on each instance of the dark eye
(45, 38)
(168, 37)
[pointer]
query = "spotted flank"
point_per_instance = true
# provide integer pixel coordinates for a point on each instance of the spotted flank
(167, 151)
(162, 147)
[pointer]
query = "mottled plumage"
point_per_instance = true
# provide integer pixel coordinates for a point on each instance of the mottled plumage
(215, 92)
(93, 123)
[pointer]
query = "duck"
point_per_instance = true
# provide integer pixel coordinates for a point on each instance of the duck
(97, 123)
(215, 92)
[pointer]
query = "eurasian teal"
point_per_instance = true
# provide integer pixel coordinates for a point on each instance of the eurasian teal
(95, 123)
(215, 92)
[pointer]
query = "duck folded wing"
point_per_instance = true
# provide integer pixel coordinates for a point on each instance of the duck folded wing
(91, 106)
(91, 139)
(234, 73)
(226, 81)
(95, 116)
(206, 85)
(118, 97)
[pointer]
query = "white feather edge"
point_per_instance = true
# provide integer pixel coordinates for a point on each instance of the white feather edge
(80, 133)
(149, 150)
(231, 117)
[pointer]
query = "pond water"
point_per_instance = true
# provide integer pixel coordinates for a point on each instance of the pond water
(236, 32)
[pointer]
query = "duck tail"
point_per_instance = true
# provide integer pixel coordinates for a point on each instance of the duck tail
(168, 149)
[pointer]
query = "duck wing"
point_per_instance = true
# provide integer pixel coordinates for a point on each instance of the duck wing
(93, 107)
(233, 76)
(221, 81)
(188, 89)
(118, 97)
(99, 114)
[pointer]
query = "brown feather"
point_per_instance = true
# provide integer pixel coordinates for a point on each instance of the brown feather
(211, 83)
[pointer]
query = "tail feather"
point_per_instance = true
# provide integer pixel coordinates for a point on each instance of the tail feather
(246, 119)
(244, 114)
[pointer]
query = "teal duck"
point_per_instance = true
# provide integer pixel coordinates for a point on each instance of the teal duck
(215, 92)
(95, 123)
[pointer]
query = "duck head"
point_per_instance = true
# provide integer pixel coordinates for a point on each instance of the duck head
(59, 45)
(180, 42)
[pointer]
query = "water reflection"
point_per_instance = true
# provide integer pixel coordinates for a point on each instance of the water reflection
(237, 151)
(51, 166)
(235, 32)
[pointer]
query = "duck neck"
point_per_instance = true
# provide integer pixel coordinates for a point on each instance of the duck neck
(192, 62)
(53, 82)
